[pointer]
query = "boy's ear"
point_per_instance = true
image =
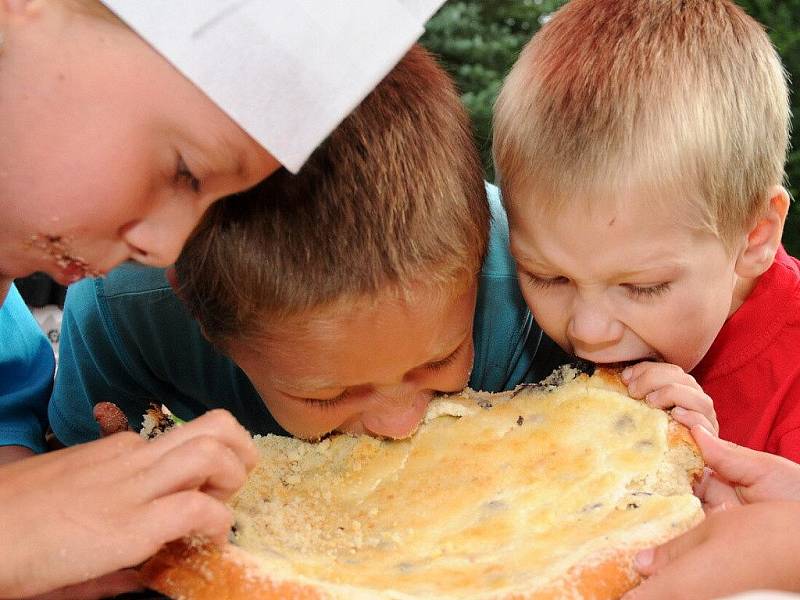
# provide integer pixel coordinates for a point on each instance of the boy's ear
(764, 237)
(172, 278)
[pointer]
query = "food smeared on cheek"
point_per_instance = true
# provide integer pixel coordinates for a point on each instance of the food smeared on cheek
(56, 248)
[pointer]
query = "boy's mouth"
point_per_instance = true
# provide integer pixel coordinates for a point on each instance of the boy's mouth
(619, 365)
(56, 248)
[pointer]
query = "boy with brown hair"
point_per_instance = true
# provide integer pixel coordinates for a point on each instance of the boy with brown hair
(641, 147)
(342, 298)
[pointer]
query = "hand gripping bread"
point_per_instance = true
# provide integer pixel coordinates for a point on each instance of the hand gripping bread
(542, 493)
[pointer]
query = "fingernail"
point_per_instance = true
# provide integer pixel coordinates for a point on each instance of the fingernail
(719, 508)
(702, 429)
(626, 374)
(679, 411)
(644, 558)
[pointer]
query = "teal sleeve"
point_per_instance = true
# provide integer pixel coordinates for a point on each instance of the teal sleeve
(510, 348)
(26, 376)
(128, 339)
(91, 366)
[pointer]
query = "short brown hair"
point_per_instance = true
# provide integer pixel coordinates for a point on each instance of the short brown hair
(686, 96)
(394, 196)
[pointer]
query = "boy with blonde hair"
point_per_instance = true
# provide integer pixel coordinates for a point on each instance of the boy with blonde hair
(341, 299)
(641, 146)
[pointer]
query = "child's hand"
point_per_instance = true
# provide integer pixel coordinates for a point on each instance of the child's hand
(9, 454)
(77, 514)
(668, 386)
(111, 585)
(747, 547)
(738, 475)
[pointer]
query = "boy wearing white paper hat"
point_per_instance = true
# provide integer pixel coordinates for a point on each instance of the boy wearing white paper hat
(115, 156)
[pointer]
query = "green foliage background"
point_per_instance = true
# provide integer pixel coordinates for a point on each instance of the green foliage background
(479, 40)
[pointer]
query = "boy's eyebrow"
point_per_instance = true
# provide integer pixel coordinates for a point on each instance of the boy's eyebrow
(309, 383)
(316, 384)
(665, 264)
(232, 158)
(223, 156)
(451, 349)
(671, 268)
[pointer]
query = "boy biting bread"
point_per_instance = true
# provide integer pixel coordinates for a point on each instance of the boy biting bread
(339, 299)
(641, 147)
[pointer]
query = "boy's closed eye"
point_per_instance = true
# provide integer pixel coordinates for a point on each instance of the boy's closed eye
(637, 290)
(323, 403)
(542, 281)
(185, 176)
(438, 365)
(647, 290)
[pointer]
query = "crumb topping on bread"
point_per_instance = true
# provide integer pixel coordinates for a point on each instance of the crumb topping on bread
(520, 495)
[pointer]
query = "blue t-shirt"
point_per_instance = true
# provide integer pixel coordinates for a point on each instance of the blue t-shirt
(26, 375)
(128, 339)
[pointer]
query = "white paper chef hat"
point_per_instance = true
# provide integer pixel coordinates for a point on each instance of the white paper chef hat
(287, 71)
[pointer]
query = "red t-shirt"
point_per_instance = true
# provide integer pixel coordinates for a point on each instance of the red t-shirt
(752, 370)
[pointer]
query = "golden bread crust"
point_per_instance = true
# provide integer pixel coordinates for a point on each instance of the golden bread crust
(202, 571)
(543, 493)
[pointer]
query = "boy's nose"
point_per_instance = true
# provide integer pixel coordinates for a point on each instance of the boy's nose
(396, 417)
(158, 238)
(591, 326)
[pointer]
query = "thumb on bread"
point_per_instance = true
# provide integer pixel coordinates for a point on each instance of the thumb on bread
(660, 565)
(754, 476)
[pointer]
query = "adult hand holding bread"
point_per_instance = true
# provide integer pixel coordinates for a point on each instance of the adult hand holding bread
(743, 548)
(138, 495)
(752, 499)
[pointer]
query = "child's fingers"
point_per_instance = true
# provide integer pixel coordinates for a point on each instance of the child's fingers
(741, 466)
(715, 492)
(692, 418)
(685, 577)
(141, 532)
(645, 377)
(185, 513)
(203, 463)
(677, 394)
(652, 560)
(757, 476)
(689, 401)
(43, 468)
(219, 424)
(116, 583)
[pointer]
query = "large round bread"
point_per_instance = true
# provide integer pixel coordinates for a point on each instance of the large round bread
(542, 493)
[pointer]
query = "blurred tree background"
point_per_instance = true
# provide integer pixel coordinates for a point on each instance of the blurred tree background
(479, 40)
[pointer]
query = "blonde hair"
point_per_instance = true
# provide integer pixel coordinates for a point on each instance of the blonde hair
(393, 197)
(683, 96)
